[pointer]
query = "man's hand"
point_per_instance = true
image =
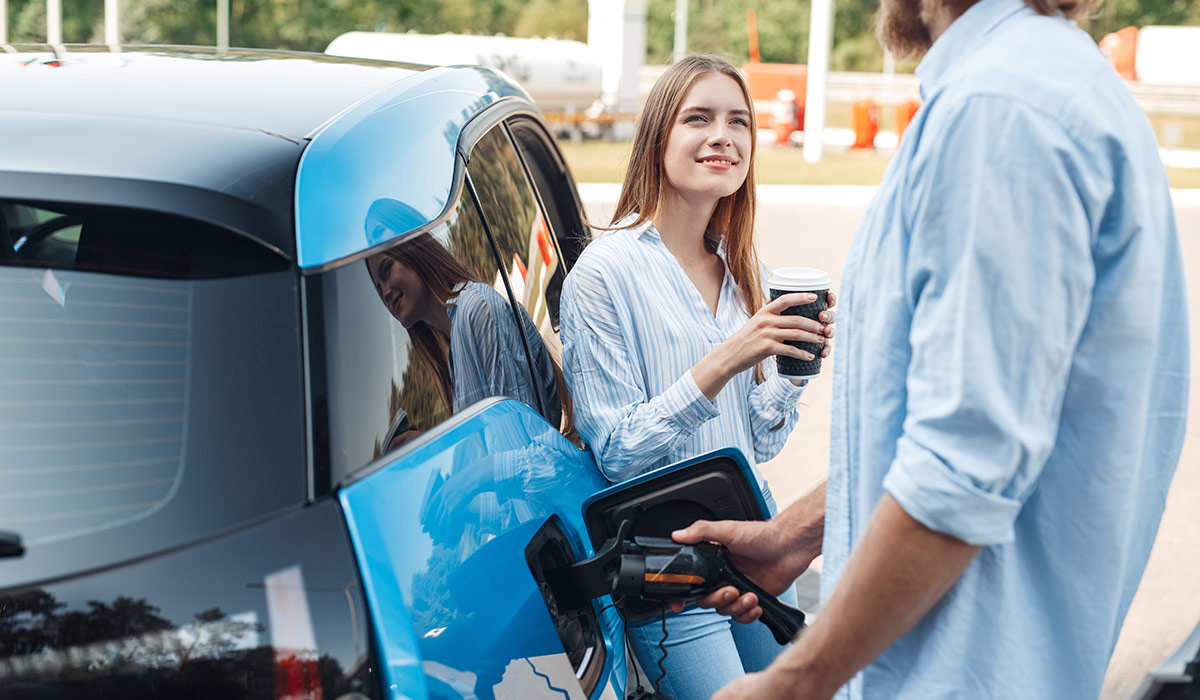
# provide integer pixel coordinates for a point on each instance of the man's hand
(760, 551)
(754, 686)
(772, 554)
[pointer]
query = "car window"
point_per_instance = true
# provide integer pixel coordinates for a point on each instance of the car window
(412, 334)
(149, 390)
(556, 190)
(521, 231)
(526, 242)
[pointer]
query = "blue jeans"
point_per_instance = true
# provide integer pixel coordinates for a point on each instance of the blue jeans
(706, 650)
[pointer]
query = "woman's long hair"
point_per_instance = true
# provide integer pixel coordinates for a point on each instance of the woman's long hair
(1073, 9)
(442, 274)
(732, 222)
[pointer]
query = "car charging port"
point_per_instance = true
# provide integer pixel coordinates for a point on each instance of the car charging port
(574, 616)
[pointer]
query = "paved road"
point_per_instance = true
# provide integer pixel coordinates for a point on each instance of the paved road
(813, 226)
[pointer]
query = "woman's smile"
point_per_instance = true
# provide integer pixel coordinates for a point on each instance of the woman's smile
(709, 142)
(717, 162)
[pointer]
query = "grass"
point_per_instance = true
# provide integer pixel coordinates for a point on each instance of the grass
(605, 161)
(601, 161)
(1184, 178)
(1177, 131)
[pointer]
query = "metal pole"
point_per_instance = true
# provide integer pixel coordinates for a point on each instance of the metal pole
(752, 35)
(681, 27)
(112, 23)
(820, 44)
(3, 21)
(222, 25)
(53, 21)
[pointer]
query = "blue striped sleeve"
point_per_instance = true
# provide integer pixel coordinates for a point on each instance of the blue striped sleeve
(628, 430)
(773, 413)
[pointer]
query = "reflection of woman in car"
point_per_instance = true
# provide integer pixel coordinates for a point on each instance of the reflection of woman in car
(667, 341)
(462, 330)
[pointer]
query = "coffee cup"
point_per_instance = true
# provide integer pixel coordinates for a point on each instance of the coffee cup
(789, 280)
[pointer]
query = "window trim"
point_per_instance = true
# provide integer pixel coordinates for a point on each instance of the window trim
(571, 190)
(474, 130)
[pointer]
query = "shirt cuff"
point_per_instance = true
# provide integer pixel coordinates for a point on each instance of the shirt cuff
(686, 406)
(945, 500)
(781, 392)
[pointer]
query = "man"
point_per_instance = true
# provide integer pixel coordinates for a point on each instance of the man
(1010, 389)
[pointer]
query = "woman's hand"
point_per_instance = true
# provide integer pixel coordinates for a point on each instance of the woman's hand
(827, 317)
(767, 333)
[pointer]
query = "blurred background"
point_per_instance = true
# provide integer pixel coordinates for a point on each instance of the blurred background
(589, 63)
(309, 25)
(831, 106)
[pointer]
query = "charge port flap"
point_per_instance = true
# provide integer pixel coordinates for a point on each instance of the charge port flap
(716, 486)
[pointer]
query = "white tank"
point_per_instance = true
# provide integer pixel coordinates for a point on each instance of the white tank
(560, 75)
(1168, 55)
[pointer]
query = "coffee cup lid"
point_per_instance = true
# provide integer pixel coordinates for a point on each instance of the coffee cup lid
(799, 278)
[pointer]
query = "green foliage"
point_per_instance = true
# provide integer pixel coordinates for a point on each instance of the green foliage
(559, 18)
(307, 25)
(859, 53)
(713, 25)
(721, 27)
(854, 44)
(170, 22)
(1118, 14)
(82, 21)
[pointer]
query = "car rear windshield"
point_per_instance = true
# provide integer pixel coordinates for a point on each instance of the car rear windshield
(149, 384)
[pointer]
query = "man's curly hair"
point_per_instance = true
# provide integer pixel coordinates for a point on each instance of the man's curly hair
(1073, 9)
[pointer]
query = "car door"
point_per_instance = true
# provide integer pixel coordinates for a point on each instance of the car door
(158, 541)
(437, 410)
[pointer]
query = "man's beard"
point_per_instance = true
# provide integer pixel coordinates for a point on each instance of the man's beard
(902, 27)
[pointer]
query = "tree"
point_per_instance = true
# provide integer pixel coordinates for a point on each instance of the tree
(713, 25)
(1117, 14)
(721, 27)
(565, 19)
(81, 21)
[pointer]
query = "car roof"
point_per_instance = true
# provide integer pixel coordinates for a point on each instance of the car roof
(212, 135)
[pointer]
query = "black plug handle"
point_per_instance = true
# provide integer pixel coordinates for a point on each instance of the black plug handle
(784, 621)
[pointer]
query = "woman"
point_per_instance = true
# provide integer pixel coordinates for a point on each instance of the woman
(667, 344)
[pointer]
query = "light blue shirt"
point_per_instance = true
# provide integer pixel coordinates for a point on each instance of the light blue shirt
(487, 353)
(1013, 359)
(487, 359)
(633, 326)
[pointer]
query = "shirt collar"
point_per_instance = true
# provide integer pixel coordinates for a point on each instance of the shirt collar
(452, 302)
(649, 231)
(961, 38)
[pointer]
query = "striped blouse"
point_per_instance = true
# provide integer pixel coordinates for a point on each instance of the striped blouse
(633, 325)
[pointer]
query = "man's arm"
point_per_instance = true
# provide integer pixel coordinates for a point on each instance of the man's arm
(896, 574)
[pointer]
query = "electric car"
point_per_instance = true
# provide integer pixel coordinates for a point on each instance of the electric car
(260, 314)
(281, 408)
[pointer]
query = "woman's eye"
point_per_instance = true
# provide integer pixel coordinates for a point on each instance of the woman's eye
(739, 121)
(692, 118)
